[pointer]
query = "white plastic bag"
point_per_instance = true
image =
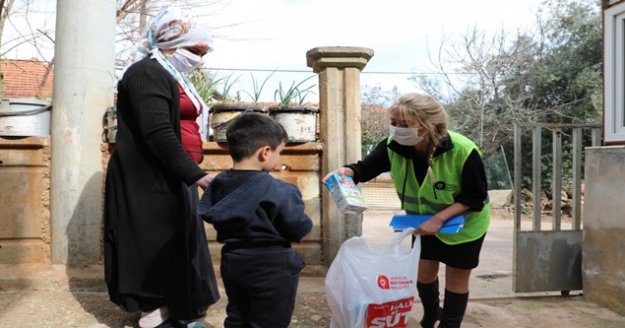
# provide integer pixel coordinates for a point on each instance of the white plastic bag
(373, 286)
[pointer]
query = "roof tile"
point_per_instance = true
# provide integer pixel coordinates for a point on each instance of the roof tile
(26, 78)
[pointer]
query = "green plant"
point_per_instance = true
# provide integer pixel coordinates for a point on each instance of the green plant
(205, 84)
(228, 83)
(294, 94)
(258, 88)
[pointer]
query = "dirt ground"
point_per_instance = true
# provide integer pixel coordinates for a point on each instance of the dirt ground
(492, 302)
(91, 309)
(52, 301)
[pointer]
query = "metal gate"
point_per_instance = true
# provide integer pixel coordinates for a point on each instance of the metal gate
(549, 259)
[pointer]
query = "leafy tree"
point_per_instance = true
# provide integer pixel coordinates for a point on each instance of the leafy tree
(568, 79)
(551, 74)
(374, 117)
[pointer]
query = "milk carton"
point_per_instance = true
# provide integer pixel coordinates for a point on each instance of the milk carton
(346, 194)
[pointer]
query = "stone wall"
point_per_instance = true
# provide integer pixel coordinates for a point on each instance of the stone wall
(24, 200)
(301, 167)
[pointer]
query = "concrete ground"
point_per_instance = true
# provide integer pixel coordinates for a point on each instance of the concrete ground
(51, 296)
(492, 301)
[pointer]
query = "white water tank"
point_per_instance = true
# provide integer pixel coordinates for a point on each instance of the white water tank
(23, 117)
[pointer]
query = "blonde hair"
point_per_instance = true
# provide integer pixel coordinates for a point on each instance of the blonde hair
(427, 111)
(431, 116)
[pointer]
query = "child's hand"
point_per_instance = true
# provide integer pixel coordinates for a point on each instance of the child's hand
(341, 171)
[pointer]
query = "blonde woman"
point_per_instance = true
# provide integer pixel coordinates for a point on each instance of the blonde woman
(439, 172)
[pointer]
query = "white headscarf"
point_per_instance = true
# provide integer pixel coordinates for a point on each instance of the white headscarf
(170, 30)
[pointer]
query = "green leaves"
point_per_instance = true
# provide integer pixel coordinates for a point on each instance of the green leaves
(205, 84)
(295, 94)
(258, 88)
(210, 87)
(228, 83)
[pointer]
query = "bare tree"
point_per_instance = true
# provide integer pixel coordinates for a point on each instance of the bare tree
(18, 15)
(5, 9)
(15, 14)
(480, 79)
(34, 35)
(375, 116)
(133, 15)
(550, 73)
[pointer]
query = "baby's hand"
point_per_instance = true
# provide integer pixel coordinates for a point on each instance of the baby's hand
(341, 171)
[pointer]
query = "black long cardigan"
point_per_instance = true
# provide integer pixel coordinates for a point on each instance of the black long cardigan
(146, 203)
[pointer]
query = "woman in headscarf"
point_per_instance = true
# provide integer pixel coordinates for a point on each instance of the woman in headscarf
(156, 253)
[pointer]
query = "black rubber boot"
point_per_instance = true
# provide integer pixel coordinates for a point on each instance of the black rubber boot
(429, 295)
(453, 309)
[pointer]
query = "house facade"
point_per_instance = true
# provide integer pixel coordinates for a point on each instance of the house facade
(603, 259)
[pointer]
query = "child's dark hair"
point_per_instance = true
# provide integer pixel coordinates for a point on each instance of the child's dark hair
(250, 131)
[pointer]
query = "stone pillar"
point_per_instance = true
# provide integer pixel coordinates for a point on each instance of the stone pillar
(83, 89)
(339, 113)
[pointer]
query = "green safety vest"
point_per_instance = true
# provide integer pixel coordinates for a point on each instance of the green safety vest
(429, 198)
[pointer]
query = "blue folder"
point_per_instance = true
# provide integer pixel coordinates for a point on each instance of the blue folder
(402, 221)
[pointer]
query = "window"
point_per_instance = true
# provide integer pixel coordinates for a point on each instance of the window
(614, 74)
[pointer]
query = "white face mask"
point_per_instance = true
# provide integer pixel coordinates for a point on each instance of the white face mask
(184, 60)
(406, 136)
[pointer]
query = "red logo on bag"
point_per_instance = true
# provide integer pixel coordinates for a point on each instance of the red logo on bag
(384, 282)
(395, 282)
(390, 314)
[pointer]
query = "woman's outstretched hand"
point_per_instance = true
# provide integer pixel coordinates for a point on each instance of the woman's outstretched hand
(341, 171)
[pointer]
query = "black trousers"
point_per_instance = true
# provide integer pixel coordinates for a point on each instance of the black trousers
(261, 286)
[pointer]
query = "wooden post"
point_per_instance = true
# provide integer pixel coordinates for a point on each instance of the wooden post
(339, 114)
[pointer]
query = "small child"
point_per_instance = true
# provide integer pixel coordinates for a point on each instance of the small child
(257, 217)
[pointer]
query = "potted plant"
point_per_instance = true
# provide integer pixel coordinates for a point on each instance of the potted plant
(299, 121)
(206, 85)
(258, 88)
(229, 108)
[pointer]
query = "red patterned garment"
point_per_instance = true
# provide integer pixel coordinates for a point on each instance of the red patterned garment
(189, 129)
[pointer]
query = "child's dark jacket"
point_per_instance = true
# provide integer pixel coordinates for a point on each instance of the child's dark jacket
(252, 209)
